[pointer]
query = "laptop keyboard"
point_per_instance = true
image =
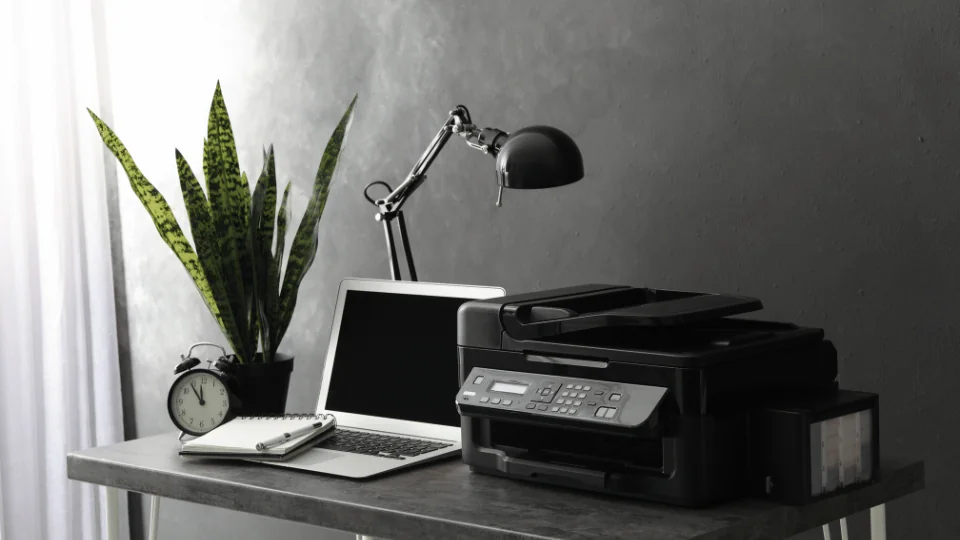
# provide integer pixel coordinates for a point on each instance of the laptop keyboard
(374, 444)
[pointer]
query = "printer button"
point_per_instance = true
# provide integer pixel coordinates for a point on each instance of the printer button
(581, 395)
(484, 399)
(546, 392)
(531, 405)
(542, 408)
(554, 409)
(569, 386)
(578, 387)
(573, 411)
(598, 393)
(564, 409)
(508, 402)
(600, 412)
(478, 380)
(615, 397)
(610, 412)
(591, 403)
(577, 403)
(495, 400)
(586, 388)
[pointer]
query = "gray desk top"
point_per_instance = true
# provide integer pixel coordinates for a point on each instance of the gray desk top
(446, 500)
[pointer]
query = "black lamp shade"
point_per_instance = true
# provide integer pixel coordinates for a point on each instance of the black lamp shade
(538, 157)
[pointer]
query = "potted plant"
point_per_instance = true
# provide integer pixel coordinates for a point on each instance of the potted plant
(238, 246)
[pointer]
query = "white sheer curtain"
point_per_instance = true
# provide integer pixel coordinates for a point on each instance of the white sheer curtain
(59, 376)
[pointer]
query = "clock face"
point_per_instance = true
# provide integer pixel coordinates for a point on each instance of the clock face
(198, 402)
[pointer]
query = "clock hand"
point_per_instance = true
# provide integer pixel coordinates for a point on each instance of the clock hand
(201, 395)
(197, 393)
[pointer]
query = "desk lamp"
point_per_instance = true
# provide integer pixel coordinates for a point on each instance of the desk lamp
(535, 157)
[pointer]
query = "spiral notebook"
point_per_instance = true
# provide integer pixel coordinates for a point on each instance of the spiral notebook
(239, 438)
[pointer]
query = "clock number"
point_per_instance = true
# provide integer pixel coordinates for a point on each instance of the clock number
(179, 401)
(213, 421)
(220, 414)
(221, 391)
(203, 380)
(214, 383)
(201, 423)
(183, 412)
(186, 390)
(224, 403)
(191, 421)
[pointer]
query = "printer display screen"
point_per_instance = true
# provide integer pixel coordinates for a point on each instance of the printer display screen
(510, 388)
(396, 357)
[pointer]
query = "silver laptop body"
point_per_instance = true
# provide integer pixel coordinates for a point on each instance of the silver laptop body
(394, 378)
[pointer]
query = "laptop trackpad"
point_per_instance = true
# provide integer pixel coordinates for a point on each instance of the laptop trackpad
(312, 458)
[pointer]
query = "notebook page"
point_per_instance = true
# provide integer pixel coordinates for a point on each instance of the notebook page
(241, 435)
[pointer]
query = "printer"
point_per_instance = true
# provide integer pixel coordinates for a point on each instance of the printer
(659, 395)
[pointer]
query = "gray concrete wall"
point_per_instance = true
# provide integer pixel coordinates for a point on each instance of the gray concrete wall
(802, 152)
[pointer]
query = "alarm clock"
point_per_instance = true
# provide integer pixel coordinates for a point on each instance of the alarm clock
(201, 399)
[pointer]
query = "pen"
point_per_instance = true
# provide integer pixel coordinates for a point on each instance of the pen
(280, 439)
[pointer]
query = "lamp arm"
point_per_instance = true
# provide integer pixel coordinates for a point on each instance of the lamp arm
(487, 140)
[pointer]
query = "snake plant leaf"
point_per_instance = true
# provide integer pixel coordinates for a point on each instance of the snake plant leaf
(259, 266)
(269, 201)
(305, 241)
(271, 304)
(208, 252)
(163, 218)
(225, 226)
(266, 279)
(229, 194)
(283, 217)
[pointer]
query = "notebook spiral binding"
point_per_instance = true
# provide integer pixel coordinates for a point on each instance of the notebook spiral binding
(290, 416)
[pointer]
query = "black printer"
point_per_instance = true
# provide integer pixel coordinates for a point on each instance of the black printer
(658, 395)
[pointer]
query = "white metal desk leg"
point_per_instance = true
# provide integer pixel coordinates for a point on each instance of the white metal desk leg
(826, 531)
(878, 522)
(154, 516)
(113, 517)
(844, 534)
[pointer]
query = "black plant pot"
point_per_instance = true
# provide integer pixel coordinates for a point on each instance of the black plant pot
(262, 387)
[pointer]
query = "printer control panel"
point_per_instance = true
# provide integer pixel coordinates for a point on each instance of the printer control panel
(587, 400)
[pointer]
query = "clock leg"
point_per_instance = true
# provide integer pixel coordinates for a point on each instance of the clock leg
(113, 518)
(154, 517)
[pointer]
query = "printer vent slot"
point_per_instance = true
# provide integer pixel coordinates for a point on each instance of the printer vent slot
(605, 451)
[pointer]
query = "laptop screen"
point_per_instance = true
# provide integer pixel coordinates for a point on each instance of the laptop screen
(396, 357)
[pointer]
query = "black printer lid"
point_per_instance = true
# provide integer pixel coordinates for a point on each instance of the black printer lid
(575, 309)
(634, 325)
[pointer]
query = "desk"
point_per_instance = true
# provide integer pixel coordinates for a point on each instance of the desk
(446, 500)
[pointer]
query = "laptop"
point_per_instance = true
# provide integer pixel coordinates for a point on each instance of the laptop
(390, 377)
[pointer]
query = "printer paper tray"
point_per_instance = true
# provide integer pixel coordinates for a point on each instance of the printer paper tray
(556, 473)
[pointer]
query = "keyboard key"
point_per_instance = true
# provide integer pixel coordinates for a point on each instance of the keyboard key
(578, 387)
